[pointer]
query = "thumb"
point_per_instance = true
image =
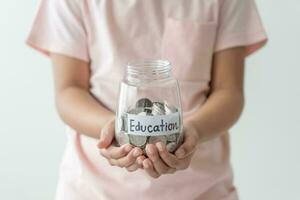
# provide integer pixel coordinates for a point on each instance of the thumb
(107, 136)
(188, 146)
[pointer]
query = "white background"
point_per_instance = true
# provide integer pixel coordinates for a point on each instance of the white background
(265, 142)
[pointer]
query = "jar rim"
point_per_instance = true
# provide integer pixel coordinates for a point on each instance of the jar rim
(157, 65)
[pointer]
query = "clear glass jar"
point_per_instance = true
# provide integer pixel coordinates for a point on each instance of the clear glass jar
(149, 108)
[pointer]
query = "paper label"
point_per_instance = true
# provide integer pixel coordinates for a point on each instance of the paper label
(153, 125)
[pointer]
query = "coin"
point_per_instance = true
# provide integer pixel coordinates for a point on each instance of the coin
(143, 114)
(148, 110)
(122, 138)
(155, 139)
(169, 109)
(172, 137)
(144, 102)
(171, 147)
(149, 114)
(158, 108)
(138, 140)
(136, 111)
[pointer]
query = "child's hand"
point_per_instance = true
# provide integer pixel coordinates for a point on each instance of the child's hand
(124, 156)
(161, 162)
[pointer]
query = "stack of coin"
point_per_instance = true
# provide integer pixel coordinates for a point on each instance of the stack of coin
(146, 107)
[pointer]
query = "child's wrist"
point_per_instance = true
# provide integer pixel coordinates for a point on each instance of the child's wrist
(194, 127)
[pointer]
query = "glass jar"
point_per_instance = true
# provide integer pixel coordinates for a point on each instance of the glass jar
(149, 109)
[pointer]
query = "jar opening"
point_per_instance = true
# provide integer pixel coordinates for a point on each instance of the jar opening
(149, 68)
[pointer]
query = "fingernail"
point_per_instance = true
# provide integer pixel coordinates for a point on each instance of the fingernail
(159, 146)
(180, 153)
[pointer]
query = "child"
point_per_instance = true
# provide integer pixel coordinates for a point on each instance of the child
(91, 41)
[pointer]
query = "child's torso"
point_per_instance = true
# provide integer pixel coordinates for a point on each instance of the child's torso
(182, 31)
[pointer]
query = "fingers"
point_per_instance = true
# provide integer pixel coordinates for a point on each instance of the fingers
(149, 168)
(130, 158)
(185, 162)
(119, 152)
(158, 164)
(170, 159)
(188, 146)
(133, 167)
(114, 152)
(123, 156)
(137, 165)
(107, 135)
(140, 160)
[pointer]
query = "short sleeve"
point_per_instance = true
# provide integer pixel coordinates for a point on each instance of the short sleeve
(240, 25)
(59, 28)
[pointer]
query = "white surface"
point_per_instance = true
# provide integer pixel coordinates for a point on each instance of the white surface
(265, 142)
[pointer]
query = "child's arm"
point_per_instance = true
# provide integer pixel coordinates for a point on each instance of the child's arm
(80, 110)
(226, 100)
(75, 105)
(221, 110)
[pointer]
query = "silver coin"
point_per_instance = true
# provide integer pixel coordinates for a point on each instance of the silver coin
(144, 102)
(148, 110)
(143, 113)
(169, 109)
(172, 137)
(171, 147)
(155, 139)
(138, 140)
(122, 138)
(136, 111)
(158, 108)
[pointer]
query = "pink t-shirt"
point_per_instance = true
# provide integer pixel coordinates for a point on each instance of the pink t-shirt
(110, 33)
